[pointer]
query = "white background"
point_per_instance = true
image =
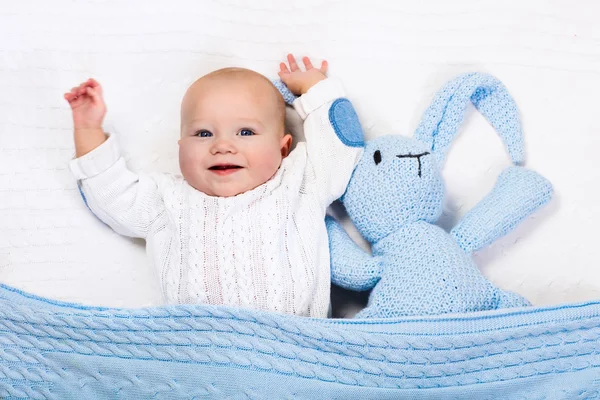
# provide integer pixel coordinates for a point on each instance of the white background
(391, 57)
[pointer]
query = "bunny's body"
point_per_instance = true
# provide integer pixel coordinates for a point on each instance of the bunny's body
(396, 195)
(432, 269)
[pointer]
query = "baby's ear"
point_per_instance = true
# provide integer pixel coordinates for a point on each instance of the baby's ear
(285, 144)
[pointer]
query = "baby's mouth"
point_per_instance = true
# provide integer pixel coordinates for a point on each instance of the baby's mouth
(222, 169)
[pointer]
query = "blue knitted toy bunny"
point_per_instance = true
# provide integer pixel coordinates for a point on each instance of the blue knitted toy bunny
(396, 194)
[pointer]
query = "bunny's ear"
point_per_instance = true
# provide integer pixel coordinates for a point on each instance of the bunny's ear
(443, 118)
(287, 94)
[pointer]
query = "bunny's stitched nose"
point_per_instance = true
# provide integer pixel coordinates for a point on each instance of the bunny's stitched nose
(417, 156)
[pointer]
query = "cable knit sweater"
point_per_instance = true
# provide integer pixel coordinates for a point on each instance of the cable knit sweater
(266, 248)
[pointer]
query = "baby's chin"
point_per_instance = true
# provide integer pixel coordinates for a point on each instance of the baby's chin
(224, 190)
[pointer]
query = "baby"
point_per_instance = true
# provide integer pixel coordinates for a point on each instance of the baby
(244, 226)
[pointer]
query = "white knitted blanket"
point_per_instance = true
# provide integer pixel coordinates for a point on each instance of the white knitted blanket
(391, 56)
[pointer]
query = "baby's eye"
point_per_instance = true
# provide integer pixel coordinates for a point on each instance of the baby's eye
(203, 133)
(246, 132)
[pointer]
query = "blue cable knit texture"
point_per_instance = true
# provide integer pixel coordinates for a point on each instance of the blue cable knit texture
(52, 350)
(396, 195)
(287, 94)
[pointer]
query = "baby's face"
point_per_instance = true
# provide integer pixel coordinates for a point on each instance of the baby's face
(232, 134)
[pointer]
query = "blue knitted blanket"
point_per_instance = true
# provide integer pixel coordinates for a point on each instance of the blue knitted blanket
(53, 350)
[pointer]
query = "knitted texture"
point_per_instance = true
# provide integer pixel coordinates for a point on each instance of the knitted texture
(265, 248)
(444, 116)
(396, 195)
(51, 350)
(287, 94)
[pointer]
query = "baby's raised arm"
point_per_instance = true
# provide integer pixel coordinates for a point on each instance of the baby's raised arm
(334, 137)
(127, 202)
(88, 110)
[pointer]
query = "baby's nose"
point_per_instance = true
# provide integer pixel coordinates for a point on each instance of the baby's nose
(223, 146)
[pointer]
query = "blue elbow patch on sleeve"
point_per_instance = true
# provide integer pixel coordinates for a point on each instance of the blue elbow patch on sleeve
(345, 123)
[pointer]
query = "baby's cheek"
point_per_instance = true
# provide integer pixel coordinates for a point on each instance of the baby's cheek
(271, 163)
(188, 159)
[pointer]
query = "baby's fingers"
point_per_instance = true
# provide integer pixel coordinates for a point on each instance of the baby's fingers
(73, 100)
(93, 94)
(76, 91)
(95, 85)
(92, 82)
(283, 69)
(307, 63)
(292, 62)
(324, 66)
(71, 96)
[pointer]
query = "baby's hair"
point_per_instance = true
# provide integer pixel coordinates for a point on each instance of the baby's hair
(236, 72)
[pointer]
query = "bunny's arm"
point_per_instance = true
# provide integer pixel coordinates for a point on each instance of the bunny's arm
(518, 193)
(351, 267)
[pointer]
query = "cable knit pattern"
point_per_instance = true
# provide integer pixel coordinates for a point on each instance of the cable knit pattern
(249, 250)
(396, 195)
(53, 350)
(198, 256)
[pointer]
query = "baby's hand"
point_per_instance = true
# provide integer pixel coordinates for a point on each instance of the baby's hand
(300, 81)
(87, 105)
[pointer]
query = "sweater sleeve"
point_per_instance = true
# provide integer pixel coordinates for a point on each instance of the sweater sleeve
(127, 202)
(334, 137)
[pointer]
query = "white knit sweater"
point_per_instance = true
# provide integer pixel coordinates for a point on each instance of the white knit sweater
(266, 248)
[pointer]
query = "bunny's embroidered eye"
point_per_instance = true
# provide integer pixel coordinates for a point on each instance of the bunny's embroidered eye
(377, 157)
(417, 156)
